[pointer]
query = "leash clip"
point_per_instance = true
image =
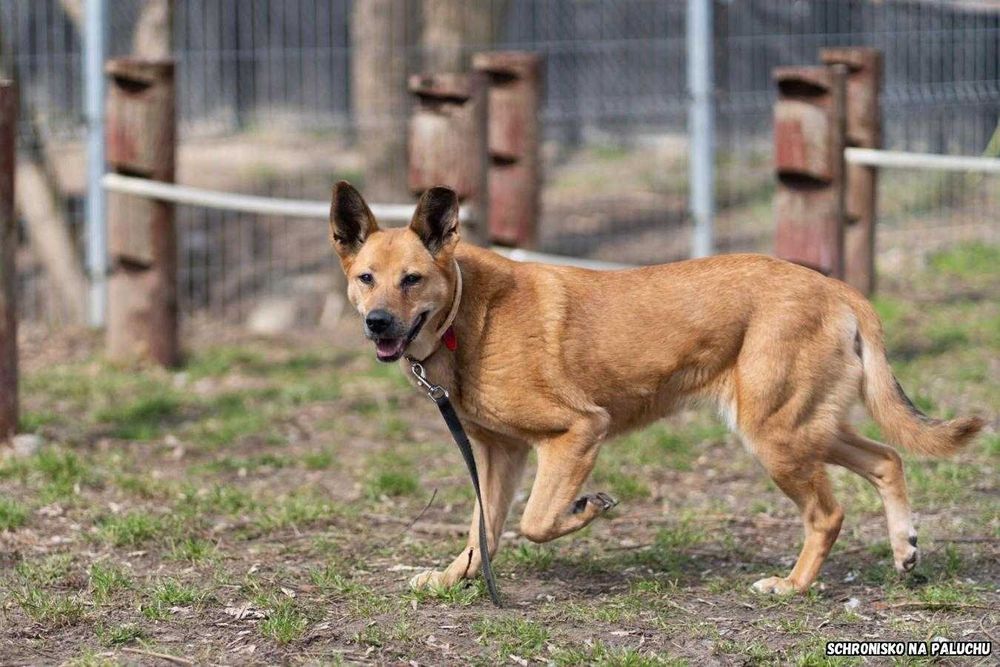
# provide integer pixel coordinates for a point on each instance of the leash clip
(435, 391)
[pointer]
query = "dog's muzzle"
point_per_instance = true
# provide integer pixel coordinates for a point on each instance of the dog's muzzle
(391, 340)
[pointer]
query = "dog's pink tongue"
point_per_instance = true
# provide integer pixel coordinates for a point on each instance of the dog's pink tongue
(387, 347)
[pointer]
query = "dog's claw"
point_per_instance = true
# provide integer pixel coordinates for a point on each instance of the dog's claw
(906, 555)
(601, 500)
(908, 562)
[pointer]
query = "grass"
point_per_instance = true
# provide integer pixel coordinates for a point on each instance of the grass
(392, 483)
(461, 594)
(91, 658)
(293, 473)
(512, 635)
(142, 419)
(968, 261)
(169, 594)
(226, 499)
(295, 510)
(670, 545)
(50, 609)
(45, 571)
(247, 464)
(284, 623)
(106, 581)
(363, 600)
(193, 549)
(318, 460)
(176, 594)
(535, 557)
(232, 416)
(599, 653)
(58, 474)
(130, 530)
(12, 514)
(392, 475)
(119, 635)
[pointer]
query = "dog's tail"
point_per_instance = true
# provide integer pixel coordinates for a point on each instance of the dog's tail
(902, 423)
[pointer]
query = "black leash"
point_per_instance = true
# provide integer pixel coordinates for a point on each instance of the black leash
(439, 395)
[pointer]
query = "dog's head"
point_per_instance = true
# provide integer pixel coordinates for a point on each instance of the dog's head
(401, 280)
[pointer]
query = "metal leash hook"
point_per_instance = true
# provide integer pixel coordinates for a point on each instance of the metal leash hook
(435, 391)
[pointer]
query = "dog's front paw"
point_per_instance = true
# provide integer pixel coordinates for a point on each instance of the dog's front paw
(601, 501)
(775, 586)
(429, 579)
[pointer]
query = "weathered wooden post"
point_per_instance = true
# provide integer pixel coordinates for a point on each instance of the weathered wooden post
(864, 130)
(514, 136)
(809, 137)
(142, 245)
(448, 143)
(8, 268)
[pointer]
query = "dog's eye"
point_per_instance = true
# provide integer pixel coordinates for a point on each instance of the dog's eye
(411, 279)
(367, 279)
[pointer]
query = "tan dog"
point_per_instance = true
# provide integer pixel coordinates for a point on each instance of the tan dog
(560, 359)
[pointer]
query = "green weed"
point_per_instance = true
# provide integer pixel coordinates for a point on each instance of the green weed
(106, 580)
(12, 514)
(49, 609)
(119, 635)
(512, 635)
(284, 622)
(129, 530)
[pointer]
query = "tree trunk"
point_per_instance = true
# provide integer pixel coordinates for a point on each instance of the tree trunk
(153, 30)
(74, 10)
(41, 205)
(379, 97)
(39, 202)
(455, 29)
(152, 35)
(8, 270)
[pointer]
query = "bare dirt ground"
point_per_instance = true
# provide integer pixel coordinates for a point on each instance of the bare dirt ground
(255, 507)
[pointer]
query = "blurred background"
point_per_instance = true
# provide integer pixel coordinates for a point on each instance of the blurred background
(283, 97)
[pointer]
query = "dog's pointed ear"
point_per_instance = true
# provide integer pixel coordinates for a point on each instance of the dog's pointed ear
(351, 221)
(436, 219)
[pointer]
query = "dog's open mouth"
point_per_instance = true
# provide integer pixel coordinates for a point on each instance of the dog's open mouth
(391, 349)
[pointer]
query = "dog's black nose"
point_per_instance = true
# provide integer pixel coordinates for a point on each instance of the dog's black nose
(378, 321)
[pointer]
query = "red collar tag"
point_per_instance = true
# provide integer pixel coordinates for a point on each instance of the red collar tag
(449, 339)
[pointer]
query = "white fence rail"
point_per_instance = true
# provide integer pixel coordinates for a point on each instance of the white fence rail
(320, 210)
(291, 208)
(303, 208)
(928, 161)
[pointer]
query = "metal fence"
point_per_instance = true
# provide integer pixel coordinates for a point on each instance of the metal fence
(264, 102)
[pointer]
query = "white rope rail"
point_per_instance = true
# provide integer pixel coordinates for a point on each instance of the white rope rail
(292, 208)
(878, 158)
(303, 208)
(521, 255)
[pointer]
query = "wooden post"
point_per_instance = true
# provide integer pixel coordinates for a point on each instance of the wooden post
(864, 130)
(142, 241)
(514, 137)
(448, 143)
(809, 138)
(8, 269)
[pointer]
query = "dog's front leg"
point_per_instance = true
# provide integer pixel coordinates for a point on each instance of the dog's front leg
(564, 464)
(500, 461)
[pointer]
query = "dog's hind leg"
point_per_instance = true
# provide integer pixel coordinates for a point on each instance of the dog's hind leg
(564, 464)
(808, 485)
(883, 467)
(500, 461)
